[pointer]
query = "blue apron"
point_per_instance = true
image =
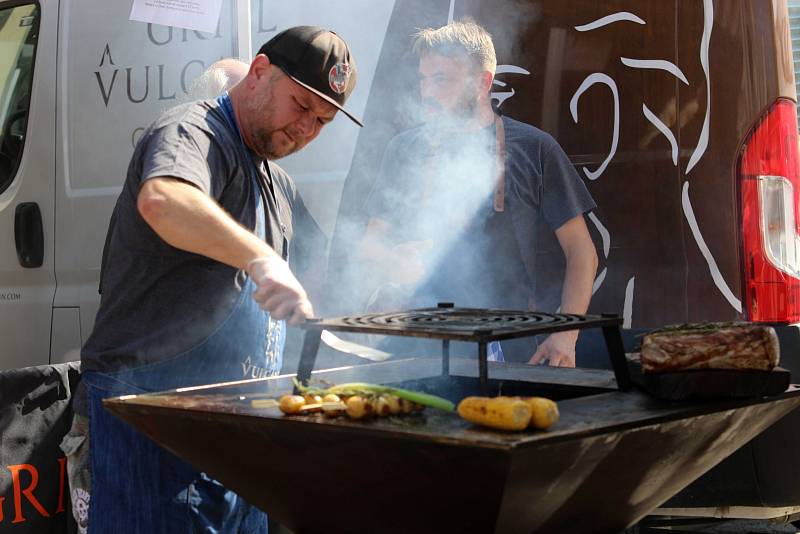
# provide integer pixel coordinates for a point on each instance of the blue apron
(139, 487)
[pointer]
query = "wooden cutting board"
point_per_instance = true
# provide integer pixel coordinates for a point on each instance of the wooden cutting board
(710, 383)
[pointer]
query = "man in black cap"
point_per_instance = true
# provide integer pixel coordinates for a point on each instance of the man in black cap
(195, 283)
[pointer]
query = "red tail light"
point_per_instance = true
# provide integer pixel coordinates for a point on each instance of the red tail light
(770, 184)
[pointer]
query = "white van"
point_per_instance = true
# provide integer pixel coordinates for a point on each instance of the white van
(670, 97)
(643, 93)
(79, 81)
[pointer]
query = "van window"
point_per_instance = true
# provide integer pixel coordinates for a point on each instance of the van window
(119, 76)
(19, 28)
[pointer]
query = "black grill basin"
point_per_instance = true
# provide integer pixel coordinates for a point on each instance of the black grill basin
(612, 458)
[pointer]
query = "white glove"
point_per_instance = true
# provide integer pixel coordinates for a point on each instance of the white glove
(278, 291)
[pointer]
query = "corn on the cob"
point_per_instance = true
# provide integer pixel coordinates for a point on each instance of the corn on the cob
(504, 413)
(544, 412)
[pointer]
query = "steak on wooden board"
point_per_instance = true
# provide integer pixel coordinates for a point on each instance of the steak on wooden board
(710, 346)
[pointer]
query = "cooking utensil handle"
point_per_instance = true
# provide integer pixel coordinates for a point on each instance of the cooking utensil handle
(308, 355)
(483, 367)
(616, 351)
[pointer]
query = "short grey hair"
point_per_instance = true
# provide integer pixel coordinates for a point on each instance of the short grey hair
(463, 37)
(219, 77)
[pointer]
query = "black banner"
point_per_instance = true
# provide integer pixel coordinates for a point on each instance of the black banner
(35, 414)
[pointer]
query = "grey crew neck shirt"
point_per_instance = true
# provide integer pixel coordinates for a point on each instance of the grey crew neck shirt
(158, 301)
(423, 187)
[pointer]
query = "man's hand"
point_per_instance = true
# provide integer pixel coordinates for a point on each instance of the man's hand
(278, 290)
(558, 349)
(581, 256)
(407, 263)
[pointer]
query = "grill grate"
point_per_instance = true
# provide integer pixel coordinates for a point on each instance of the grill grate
(482, 326)
(462, 324)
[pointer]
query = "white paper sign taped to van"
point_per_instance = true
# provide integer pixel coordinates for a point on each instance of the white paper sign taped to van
(201, 15)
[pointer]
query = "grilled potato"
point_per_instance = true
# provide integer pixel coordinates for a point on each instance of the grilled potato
(406, 405)
(357, 407)
(395, 406)
(291, 404)
(382, 406)
(332, 405)
(312, 399)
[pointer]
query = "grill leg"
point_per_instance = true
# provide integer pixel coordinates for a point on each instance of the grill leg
(483, 368)
(446, 357)
(308, 355)
(616, 351)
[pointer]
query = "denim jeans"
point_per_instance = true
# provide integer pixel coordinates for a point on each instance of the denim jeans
(138, 487)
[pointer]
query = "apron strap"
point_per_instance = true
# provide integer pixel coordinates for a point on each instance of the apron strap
(500, 184)
(224, 102)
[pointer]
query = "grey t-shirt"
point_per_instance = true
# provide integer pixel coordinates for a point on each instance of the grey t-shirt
(158, 301)
(441, 189)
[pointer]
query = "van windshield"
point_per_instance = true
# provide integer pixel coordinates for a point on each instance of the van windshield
(18, 34)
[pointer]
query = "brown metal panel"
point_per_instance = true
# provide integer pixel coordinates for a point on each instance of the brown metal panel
(746, 77)
(671, 273)
(638, 194)
(784, 60)
(711, 183)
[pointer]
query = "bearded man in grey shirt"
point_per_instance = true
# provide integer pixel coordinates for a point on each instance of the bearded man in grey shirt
(455, 211)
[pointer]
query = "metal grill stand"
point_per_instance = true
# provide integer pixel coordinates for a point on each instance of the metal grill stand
(481, 326)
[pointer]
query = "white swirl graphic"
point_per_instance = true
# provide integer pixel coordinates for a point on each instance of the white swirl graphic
(610, 19)
(657, 64)
(708, 26)
(673, 143)
(598, 77)
(716, 275)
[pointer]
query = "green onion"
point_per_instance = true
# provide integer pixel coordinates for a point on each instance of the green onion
(362, 388)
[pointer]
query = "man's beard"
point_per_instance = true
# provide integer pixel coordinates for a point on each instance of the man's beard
(453, 119)
(269, 142)
(273, 144)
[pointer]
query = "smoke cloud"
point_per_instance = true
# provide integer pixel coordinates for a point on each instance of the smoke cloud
(431, 182)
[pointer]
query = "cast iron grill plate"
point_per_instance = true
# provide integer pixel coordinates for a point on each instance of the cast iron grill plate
(463, 324)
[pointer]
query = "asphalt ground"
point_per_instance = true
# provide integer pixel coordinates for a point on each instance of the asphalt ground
(716, 527)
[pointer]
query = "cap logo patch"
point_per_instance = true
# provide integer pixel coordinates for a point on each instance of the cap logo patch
(338, 77)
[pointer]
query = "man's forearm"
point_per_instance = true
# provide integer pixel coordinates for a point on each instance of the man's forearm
(581, 267)
(578, 279)
(577, 290)
(190, 220)
(559, 348)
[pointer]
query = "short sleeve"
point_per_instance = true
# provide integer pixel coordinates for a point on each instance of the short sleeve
(564, 195)
(184, 151)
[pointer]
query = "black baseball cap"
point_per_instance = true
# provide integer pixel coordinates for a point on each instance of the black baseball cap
(317, 59)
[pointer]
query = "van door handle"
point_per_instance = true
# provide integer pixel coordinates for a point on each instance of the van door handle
(28, 235)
